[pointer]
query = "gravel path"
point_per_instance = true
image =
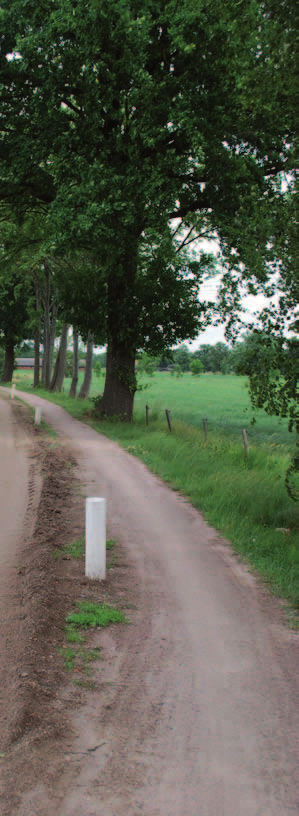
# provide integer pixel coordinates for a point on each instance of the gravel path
(205, 717)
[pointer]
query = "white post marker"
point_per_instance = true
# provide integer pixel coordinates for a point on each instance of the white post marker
(13, 390)
(95, 538)
(37, 416)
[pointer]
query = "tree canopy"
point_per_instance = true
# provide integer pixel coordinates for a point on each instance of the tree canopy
(134, 128)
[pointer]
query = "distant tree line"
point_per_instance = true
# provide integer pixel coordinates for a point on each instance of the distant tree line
(242, 358)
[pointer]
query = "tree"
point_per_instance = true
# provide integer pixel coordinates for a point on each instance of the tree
(182, 357)
(147, 364)
(59, 370)
(272, 366)
(14, 318)
(75, 376)
(196, 367)
(124, 119)
(84, 390)
(214, 358)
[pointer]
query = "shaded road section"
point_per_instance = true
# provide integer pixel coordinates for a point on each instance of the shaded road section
(13, 488)
(16, 517)
(205, 717)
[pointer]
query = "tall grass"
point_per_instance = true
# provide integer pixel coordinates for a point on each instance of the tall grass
(243, 497)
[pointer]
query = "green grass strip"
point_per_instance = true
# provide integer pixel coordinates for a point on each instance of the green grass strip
(93, 615)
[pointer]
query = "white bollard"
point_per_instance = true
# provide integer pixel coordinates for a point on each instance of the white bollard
(37, 416)
(13, 390)
(95, 538)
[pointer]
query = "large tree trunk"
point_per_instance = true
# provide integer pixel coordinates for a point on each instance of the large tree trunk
(84, 390)
(120, 384)
(59, 370)
(9, 360)
(120, 381)
(74, 383)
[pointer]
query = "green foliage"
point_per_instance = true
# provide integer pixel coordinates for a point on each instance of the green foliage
(182, 356)
(176, 369)
(147, 364)
(194, 127)
(15, 294)
(196, 367)
(97, 367)
(272, 365)
(292, 478)
(215, 358)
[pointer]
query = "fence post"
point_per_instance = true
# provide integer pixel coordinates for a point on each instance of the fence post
(146, 413)
(245, 441)
(37, 416)
(205, 428)
(95, 539)
(167, 412)
(13, 389)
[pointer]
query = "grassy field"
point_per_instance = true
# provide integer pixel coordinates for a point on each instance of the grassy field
(243, 497)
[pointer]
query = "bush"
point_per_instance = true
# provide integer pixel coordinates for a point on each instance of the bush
(196, 367)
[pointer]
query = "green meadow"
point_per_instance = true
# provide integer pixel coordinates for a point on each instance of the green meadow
(243, 496)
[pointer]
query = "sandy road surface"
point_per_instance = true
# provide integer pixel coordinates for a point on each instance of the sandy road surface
(205, 716)
(13, 483)
(17, 487)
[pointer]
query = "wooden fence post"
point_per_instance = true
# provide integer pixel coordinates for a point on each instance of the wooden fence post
(167, 412)
(245, 441)
(146, 413)
(205, 428)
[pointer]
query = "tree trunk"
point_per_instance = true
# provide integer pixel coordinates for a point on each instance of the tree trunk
(120, 384)
(59, 370)
(74, 383)
(120, 381)
(36, 375)
(46, 372)
(53, 321)
(84, 390)
(9, 360)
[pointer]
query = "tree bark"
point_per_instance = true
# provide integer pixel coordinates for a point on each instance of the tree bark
(53, 321)
(84, 390)
(120, 384)
(74, 383)
(36, 375)
(46, 371)
(9, 360)
(59, 370)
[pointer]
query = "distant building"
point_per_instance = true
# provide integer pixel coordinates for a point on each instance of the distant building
(27, 364)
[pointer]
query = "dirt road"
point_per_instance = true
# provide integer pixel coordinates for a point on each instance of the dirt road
(18, 491)
(203, 717)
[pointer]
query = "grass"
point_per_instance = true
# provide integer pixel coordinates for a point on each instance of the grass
(69, 656)
(78, 657)
(48, 429)
(75, 549)
(243, 497)
(93, 615)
